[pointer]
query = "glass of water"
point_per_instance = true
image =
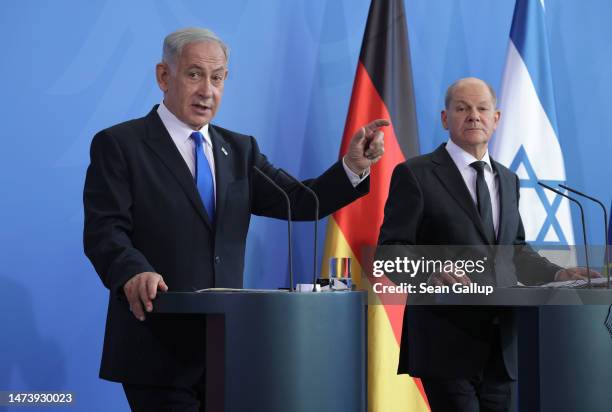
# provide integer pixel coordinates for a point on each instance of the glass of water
(340, 273)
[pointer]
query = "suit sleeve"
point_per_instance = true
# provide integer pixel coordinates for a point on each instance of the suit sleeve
(333, 188)
(107, 203)
(403, 210)
(531, 267)
(403, 214)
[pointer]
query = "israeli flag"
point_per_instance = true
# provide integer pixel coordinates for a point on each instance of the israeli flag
(526, 138)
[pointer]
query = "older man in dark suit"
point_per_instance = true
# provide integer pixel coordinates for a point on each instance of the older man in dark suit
(168, 199)
(458, 195)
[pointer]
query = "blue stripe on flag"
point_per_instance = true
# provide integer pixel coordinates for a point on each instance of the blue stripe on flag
(528, 33)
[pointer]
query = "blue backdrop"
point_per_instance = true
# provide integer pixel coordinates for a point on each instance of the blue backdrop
(71, 68)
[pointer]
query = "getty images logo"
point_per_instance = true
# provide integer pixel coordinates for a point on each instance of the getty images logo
(412, 267)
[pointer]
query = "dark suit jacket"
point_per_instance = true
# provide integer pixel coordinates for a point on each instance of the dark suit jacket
(429, 204)
(143, 213)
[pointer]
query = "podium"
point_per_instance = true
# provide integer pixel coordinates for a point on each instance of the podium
(564, 347)
(524, 297)
(280, 351)
(565, 350)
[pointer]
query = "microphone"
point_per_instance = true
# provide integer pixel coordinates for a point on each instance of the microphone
(605, 213)
(316, 220)
(586, 249)
(286, 196)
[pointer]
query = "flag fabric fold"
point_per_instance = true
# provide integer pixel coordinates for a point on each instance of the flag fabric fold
(382, 89)
(526, 139)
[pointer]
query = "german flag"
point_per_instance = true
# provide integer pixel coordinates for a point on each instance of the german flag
(382, 89)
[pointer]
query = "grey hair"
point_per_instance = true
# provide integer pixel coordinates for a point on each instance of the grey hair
(174, 43)
(451, 89)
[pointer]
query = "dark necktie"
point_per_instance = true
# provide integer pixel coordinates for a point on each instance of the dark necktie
(484, 200)
(203, 176)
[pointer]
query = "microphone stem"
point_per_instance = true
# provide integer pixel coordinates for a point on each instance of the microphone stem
(584, 237)
(316, 216)
(605, 213)
(273, 183)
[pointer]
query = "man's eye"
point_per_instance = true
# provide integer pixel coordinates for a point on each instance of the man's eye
(217, 79)
(194, 75)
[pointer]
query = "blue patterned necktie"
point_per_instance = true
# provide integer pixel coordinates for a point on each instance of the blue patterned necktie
(203, 176)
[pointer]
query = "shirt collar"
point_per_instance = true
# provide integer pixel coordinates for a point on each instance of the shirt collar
(179, 131)
(463, 159)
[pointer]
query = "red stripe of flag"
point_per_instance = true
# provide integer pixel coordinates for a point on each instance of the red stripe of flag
(382, 89)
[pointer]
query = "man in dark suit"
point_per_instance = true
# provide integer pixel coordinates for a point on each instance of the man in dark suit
(168, 199)
(458, 195)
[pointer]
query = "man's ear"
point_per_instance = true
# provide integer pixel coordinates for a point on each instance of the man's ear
(162, 71)
(443, 118)
(497, 117)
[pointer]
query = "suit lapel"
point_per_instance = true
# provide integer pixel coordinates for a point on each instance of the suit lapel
(223, 173)
(453, 182)
(161, 143)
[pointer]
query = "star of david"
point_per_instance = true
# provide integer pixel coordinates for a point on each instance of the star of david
(551, 208)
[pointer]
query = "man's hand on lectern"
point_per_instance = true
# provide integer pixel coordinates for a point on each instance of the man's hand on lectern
(141, 290)
(575, 273)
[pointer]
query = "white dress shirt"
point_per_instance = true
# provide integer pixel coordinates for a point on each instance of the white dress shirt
(180, 134)
(462, 160)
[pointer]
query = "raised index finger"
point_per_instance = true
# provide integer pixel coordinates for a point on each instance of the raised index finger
(372, 126)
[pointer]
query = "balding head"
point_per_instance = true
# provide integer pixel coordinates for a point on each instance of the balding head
(466, 81)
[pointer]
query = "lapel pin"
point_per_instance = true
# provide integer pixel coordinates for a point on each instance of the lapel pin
(223, 150)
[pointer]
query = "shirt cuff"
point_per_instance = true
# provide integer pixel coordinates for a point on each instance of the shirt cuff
(354, 177)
